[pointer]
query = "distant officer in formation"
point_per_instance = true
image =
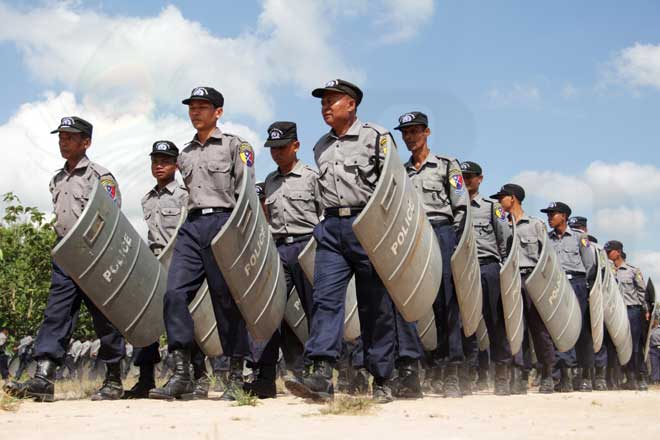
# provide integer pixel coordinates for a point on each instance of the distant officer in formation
(530, 232)
(654, 352)
(71, 188)
(493, 233)
(633, 290)
(349, 158)
(292, 209)
(439, 181)
(212, 166)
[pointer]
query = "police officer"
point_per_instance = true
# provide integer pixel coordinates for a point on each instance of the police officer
(577, 259)
(492, 233)
(292, 208)
(212, 166)
(654, 352)
(633, 290)
(349, 159)
(439, 181)
(530, 232)
(71, 188)
(579, 223)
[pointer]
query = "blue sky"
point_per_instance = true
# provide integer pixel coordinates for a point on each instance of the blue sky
(562, 97)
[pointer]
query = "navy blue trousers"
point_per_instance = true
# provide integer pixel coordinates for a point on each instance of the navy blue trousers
(493, 312)
(636, 330)
(339, 255)
(445, 307)
(60, 316)
(409, 345)
(654, 356)
(193, 261)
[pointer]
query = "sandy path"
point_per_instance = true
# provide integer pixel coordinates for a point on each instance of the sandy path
(609, 415)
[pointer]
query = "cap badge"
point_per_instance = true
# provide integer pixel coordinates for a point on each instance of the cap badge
(162, 146)
(276, 133)
(67, 121)
(332, 83)
(200, 91)
(408, 117)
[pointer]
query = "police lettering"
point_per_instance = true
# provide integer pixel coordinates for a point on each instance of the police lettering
(405, 228)
(124, 248)
(255, 254)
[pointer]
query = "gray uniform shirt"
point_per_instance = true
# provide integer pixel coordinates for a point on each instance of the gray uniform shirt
(291, 201)
(71, 191)
(439, 181)
(631, 285)
(347, 168)
(529, 230)
(574, 251)
(491, 226)
(213, 171)
(655, 337)
(162, 213)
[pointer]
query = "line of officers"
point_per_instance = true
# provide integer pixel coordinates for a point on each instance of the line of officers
(302, 202)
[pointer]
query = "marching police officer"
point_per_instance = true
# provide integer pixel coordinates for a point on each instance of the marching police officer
(349, 159)
(439, 181)
(492, 233)
(70, 189)
(293, 211)
(212, 166)
(577, 259)
(633, 290)
(529, 230)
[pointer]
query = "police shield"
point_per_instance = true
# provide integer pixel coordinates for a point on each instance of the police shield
(395, 233)
(294, 315)
(467, 278)
(246, 254)
(483, 341)
(615, 315)
(427, 331)
(596, 307)
(351, 317)
(554, 298)
(109, 261)
(650, 294)
(512, 301)
(201, 308)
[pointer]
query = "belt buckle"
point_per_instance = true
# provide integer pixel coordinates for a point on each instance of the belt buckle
(207, 211)
(569, 276)
(344, 212)
(288, 240)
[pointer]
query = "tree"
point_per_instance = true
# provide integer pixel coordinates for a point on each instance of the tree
(26, 239)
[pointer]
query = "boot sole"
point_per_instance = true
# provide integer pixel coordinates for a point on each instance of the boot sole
(185, 396)
(41, 397)
(300, 390)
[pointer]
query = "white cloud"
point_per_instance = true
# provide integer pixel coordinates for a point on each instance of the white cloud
(517, 94)
(649, 263)
(637, 66)
(621, 223)
(624, 181)
(554, 186)
(400, 21)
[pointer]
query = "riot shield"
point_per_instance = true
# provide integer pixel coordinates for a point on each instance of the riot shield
(482, 335)
(467, 278)
(615, 314)
(650, 294)
(294, 315)
(428, 332)
(512, 300)
(554, 298)
(596, 308)
(396, 235)
(109, 261)
(351, 317)
(246, 254)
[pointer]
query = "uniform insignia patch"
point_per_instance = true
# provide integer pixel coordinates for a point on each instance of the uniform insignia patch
(332, 83)
(456, 181)
(111, 186)
(585, 242)
(246, 153)
(383, 144)
(408, 117)
(276, 133)
(200, 91)
(67, 121)
(500, 214)
(162, 146)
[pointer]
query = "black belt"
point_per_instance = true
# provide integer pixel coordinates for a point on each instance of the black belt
(636, 307)
(488, 260)
(526, 270)
(345, 211)
(207, 211)
(292, 239)
(440, 222)
(573, 275)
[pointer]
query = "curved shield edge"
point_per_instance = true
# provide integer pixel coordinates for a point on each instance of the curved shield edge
(512, 301)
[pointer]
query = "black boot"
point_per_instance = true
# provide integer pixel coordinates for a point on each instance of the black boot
(565, 384)
(344, 379)
(465, 379)
(547, 385)
(642, 385)
(576, 374)
(359, 383)
(382, 391)
(40, 387)
(482, 379)
(180, 384)
(450, 386)
(145, 383)
(631, 382)
(264, 385)
(406, 385)
(316, 386)
(235, 379)
(518, 381)
(502, 384)
(112, 388)
(586, 384)
(600, 384)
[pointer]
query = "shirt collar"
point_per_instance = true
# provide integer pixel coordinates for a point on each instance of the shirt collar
(215, 134)
(431, 159)
(83, 163)
(353, 131)
(568, 231)
(478, 200)
(297, 170)
(170, 187)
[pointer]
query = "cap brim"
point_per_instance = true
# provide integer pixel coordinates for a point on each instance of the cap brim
(277, 143)
(196, 98)
(318, 93)
(409, 124)
(498, 195)
(164, 153)
(66, 130)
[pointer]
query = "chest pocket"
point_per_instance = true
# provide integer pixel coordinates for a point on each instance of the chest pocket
(530, 245)
(301, 201)
(219, 174)
(482, 226)
(271, 205)
(79, 201)
(55, 194)
(433, 193)
(357, 165)
(171, 211)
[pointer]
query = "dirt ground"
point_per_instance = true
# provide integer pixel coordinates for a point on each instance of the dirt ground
(604, 415)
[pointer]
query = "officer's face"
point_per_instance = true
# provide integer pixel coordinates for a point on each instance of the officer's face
(286, 155)
(163, 167)
(415, 137)
(613, 254)
(73, 145)
(337, 108)
(506, 202)
(556, 219)
(203, 115)
(472, 182)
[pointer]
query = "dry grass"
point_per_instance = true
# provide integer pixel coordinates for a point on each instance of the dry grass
(9, 403)
(244, 398)
(348, 406)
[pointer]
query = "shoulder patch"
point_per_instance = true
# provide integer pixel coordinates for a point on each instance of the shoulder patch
(585, 242)
(456, 180)
(246, 153)
(383, 144)
(110, 186)
(499, 213)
